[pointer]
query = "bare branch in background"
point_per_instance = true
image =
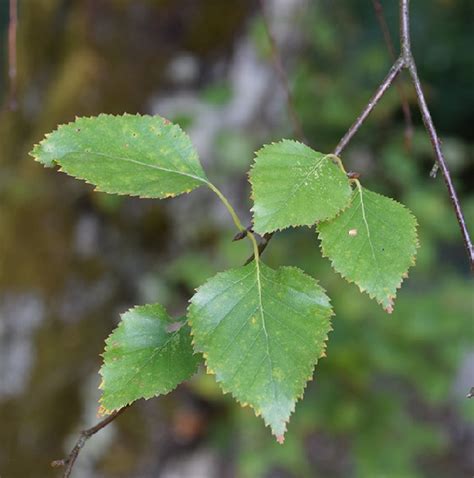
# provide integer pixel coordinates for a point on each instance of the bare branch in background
(12, 70)
(398, 84)
(283, 77)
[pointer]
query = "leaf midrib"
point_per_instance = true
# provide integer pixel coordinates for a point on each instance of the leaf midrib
(364, 218)
(134, 161)
(264, 327)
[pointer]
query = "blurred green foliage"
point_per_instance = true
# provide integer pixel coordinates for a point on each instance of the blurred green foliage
(384, 402)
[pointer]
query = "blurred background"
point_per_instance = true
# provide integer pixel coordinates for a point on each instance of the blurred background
(390, 398)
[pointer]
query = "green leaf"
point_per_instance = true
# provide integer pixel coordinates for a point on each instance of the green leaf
(292, 185)
(372, 243)
(261, 332)
(144, 357)
(144, 156)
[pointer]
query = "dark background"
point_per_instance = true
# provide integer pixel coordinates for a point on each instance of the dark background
(389, 400)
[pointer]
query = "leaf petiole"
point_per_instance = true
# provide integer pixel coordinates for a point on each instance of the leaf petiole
(337, 160)
(229, 207)
(245, 231)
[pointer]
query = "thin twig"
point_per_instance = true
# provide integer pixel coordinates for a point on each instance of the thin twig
(388, 80)
(398, 84)
(409, 63)
(283, 77)
(83, 437)
(12, 69)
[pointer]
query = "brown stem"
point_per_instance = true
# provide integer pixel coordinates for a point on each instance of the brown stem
(409, 63)
(81, 441)
(283, 77)
(398, 84)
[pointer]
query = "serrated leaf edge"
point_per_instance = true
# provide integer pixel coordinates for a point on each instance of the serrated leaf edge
(166, 123)
(390, 297)
(252, 193)
(103, 411)
(280, 438)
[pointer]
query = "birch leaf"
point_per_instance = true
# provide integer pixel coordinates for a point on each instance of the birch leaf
(372, 243)
(261, 332)
(293, 185)
(145, 156)
(144, 357)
